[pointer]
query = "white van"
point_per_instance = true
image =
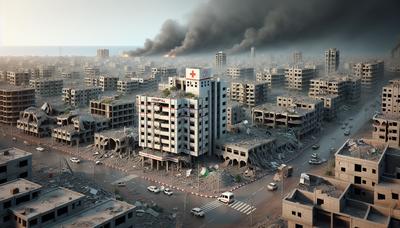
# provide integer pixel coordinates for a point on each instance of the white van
(226, 197)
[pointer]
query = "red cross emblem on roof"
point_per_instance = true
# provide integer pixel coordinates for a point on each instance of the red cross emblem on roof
(192, 74)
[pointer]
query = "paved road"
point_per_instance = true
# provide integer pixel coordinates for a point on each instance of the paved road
(253, 202)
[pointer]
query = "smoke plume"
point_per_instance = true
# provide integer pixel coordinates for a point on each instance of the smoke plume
(236, 25)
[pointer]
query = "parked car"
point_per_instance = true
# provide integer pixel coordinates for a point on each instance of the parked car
(75, 160)
(40, 149)
(317, 161)
(315, 147)
(168, 192)
(346, 132)
(153, 189)
(272, 186)
(314, 156)
(197, 212)
(98, 162)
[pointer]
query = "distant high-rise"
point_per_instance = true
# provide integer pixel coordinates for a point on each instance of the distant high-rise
(297, 57)
(331, 60)
(253, 52)
(103, 53)
(220, 59)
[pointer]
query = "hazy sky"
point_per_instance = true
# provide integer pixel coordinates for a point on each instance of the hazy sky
(86, 22)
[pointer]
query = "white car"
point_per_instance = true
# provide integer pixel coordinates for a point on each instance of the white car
(75, 160)
(153, 189)
(40, 149)
(272, 186)
(168, 192)
(314, 156)
(197, 212)
(96, 153)
(98, 162)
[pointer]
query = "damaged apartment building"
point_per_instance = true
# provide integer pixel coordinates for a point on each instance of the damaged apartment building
(248, 93)
(364, 193)
(183, 123)
(369, 72)
(254, 148)
(121, 113)
(38, 122)
(13, 100)
(387, 123)
(47, 87)
(303, 115)
(274, 77)
(122, 141)
(80, 97)
(76, 129)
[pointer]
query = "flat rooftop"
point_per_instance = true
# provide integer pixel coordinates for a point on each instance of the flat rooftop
(46, 202)
(325, 185)
(114, 101)
(23, 186)
(254, 138)
(390, 117)
(283, 110)
(119, 133)
(11, 88)
(97, 214)
(300, 99)
(363, 149)
(12, 153)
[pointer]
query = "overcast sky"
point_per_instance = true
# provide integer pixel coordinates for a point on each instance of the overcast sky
(86, 22)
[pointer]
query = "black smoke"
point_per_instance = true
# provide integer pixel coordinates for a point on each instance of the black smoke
(236, 25)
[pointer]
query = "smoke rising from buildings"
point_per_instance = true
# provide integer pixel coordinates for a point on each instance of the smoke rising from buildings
(236, 25)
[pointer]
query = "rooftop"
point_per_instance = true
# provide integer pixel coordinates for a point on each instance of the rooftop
(254, 138)
(46, 202)
(97, 214)
(300, 99)
(283, 110)
(23, 186)
(12, 153)
(324, 185)
(119, 133)
(363, 149)
(11, 88)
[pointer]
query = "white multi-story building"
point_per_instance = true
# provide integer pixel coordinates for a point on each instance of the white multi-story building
(80, 96)
(220, 59)
(240, 72)
(274, 77)
(184, 121)
(108, 83)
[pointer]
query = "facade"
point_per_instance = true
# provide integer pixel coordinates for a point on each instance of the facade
(297, 78)
(48, 208)
(15, 163)
(235, 114)
(110, 213)
(164, 72)
(220, 59)
(14, 193)
(18, 78)
(240, 73)
(13, 100)
(275, 78)
(331, 61)
(47, 87)
(119, 141)
(108, 83)
(47, 71)
(120, 113)
(71, 75)
(390, 96)
(92, 72)
(80, 130)
(364, 193)
(103, 53)
(78, 97)
(248, 93)
(178, 123)
(132, 85)
(297, 58)
(331, 104)
(369, 72)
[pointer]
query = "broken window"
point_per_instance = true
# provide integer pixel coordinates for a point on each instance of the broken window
(381, 196)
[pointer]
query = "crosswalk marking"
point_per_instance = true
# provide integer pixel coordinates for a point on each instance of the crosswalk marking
(211, 206)
(239, 206)
(242, 207)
